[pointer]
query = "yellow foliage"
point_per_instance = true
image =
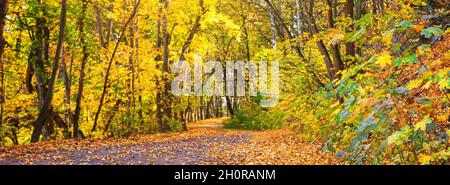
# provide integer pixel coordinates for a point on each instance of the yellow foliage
(414, 84)
(387, 39)
(422, 125)
(384, 60)
(425, 159)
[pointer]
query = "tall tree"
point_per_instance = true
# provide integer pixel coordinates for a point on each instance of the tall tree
(111, 59)
(166, 97)
(76, 116)
(3, 10)
(45, 110)
(279, 17)
(338, 64)
(322, 48)
(190, 38)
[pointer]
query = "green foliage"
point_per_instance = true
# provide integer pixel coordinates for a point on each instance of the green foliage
(431, 31)
(389, 108)
(175, 125)
(255, 120)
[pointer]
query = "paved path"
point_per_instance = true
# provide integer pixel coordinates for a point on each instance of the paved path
(205, 142)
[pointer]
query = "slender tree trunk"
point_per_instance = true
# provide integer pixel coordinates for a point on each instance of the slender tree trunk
(44, 112)
(110, 116)
(67, 86)
(99, 26)
(299, 21)
(348, 12)
(109, 24)
(216, 106)
(322, 48)
(165, 99)
(138, 74)
(36, 59)
(76, 116)
(3, 10)
(105, 82)
(208, 107)
(189, 40)
(278, 16)
(201, 108)
(338, 64)
(279, 24)
(188, 107)
(358, 11)
(272, 28)
(131, 83)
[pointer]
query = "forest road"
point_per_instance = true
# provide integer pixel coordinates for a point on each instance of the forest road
(205, 142)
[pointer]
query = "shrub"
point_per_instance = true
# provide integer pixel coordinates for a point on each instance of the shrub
(251, 119)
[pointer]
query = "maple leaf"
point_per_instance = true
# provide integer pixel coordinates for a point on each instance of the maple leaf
(384, 59)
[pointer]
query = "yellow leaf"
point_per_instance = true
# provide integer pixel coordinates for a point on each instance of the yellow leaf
(425, 159)
(384, 59)
(442, 118)
(387, 39)
(427, 85)
(414, 84)
(423, 124)
(443, 84)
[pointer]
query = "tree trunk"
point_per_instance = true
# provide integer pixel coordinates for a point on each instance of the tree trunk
(322, 48)
(66, 80)
(99, 26)
(3, 10)
(105, 82)
(165, 95)
(131, 80)
(44, 112)
(109, 24)
(338, 64)
(272, 28)
(299, 22)
(348, 12)
(76, 116)
(285, 26)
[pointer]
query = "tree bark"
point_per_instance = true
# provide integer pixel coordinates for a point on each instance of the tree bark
(338, 64)
(192, 32)
(99, 26)
(3, 10)
(165, 99)
(189, 40)
(44, 112)
(105, 82)
(76, 116)
(286, 28)
(348, 12)
(67, 86)
(109, 24)
(322, 48)
(299, 22)
(131, 80)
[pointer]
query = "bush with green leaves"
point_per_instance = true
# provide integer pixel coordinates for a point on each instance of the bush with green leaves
(175, 125)
(252, 119)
